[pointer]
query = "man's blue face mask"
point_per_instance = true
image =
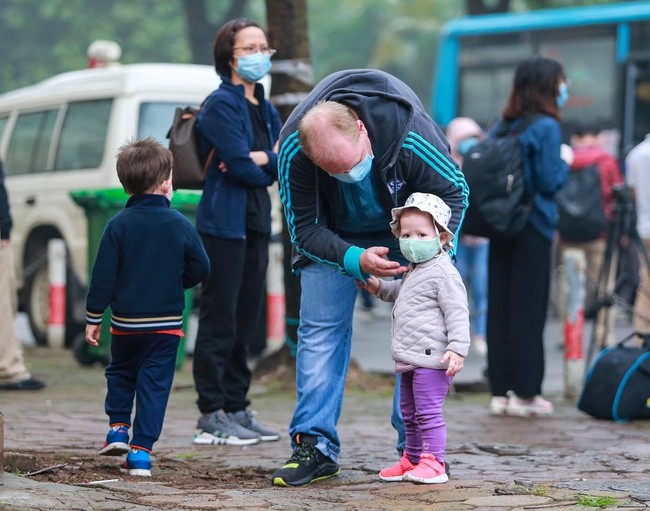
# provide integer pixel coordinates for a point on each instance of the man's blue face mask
(357, 173)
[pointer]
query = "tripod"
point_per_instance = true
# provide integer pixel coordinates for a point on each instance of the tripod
(621, 230)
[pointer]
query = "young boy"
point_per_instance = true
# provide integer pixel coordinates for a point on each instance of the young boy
(430, 336)
(148, 255)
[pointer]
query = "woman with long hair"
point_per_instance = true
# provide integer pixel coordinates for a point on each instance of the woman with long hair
(520, 267)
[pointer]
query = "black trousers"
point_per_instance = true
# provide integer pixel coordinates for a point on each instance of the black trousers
(231, 300)
(518, 289)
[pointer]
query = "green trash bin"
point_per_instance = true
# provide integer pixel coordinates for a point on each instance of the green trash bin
(100, 206)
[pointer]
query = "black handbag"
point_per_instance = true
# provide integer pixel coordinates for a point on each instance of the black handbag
(617, 385)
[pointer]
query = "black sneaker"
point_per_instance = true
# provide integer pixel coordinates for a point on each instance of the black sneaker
(306, 465)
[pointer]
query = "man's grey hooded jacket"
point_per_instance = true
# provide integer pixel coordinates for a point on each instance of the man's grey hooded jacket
(411, 155)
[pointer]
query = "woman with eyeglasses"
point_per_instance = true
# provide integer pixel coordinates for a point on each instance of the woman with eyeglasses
(234, 220)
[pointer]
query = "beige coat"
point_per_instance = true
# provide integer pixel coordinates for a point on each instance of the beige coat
(430, 315)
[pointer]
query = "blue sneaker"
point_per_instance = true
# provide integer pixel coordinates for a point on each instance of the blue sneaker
(117, 442)
(138, 463)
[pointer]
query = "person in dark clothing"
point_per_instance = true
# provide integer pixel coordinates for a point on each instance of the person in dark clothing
(520, 267)
(357, 146)
(234, 220)
(586, 142)
(13, 373)
(147, 256)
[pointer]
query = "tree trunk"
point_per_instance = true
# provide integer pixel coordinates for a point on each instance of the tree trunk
(292, 80)
(477, 7)
(200, 32)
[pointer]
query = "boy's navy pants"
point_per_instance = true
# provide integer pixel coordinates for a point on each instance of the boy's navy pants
(142, 366)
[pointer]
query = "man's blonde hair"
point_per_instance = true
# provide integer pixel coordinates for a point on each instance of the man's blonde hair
(317, 125)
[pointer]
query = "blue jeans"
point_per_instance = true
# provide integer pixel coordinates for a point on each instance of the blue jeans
(323, 355)
(472, 264)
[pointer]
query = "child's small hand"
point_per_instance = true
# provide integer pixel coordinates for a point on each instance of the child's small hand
(371, 285)
(456, 362)
(92, 334)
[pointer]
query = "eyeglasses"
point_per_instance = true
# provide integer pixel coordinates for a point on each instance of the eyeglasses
(249, 50)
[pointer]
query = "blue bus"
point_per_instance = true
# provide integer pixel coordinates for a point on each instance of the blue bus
(605, 51)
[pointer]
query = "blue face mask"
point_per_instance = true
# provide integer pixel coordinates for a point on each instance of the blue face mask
(419, 251)
(253, 67)
(563, 94)
(357, 173)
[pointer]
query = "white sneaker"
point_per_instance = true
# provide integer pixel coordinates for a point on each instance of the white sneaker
(528, 407)
(498, 405)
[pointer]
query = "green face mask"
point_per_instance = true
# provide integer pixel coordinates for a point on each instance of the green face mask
(418, 251)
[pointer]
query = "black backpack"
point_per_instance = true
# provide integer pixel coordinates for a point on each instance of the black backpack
(189, 170)
(581, 214)
(494, 171)
(617, 385)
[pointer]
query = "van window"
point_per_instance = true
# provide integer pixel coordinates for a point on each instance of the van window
(30, 142)
(3, 123)
(83, 135)
(155, 119)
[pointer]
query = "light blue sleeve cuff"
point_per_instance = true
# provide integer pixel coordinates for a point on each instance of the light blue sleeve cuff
(351, 261)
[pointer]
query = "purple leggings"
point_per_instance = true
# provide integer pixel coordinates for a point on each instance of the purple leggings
(422, 393)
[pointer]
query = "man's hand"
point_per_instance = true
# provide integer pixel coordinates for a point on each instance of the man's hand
(92, 334)
(374, 261)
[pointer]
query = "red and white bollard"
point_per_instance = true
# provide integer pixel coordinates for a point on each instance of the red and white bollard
(56, 268)
(574, 280)
(275, 304)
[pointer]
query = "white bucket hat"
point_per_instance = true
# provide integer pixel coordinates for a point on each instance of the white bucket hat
(428, 203)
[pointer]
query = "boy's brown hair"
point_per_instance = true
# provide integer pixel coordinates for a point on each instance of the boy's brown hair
(142, 165)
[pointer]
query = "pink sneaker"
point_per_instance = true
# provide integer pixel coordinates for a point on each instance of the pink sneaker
(527, 407)
(397, 471)
(428, 471)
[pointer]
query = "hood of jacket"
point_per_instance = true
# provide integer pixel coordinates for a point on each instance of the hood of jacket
(384, 104)
(588, 155)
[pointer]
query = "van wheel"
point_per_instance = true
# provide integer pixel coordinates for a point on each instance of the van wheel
(35, 298)
(36, 290)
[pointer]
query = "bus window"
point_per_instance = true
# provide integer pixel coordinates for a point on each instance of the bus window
(588, 58)
(483, 93)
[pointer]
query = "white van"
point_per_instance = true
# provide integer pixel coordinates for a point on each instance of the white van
(62, 135)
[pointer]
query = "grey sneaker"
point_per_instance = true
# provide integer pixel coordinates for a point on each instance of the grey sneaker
(248, 420)
(217, 428)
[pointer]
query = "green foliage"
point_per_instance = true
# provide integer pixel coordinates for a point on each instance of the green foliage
(601, 502)
(41, 38)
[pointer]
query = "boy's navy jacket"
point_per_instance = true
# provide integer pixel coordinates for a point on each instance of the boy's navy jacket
(224, 123)
(148, 255)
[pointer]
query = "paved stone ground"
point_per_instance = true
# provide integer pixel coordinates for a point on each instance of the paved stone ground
(498, 463)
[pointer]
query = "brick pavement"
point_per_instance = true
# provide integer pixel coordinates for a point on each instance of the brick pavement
(497, 462)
